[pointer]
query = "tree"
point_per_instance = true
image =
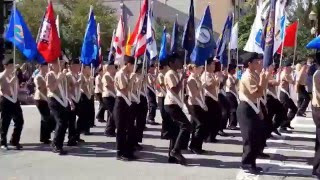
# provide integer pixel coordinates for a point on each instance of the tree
(73, 21)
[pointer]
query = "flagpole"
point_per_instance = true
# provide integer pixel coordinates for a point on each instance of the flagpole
(184, 71)
(239, 11)
(58, 29)
(295, 43)
(282, 47)
(14, 34)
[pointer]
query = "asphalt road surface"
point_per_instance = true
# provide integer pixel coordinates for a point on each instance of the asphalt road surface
(291, 157)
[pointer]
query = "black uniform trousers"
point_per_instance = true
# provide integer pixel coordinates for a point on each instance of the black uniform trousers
(152, 104)
(166, 120)
(316, 119)
(83, 124)
(276, 111)
(47, 124)
(288, 103)
(142, 109)
(126, 136)
(73, 134)
(214, 118)
(133, 112)
(10, 111)
(198, 122)
(101, 110)
(225, 109)
(108, 103)
(91, 112)
(251, 132)
(180, 140)
(303, 99)
(233, 104)
(61, 115)
(266, 125)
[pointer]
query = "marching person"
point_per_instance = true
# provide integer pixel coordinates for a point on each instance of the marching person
(151, 95)
(161, 93)
(173, 105)
(276, 111)
(74, 96)
(285, 97)
(98, 93)
(303, 95)
(47, 124)
(210, 81)
(250, 117)
(232, 96)
(125, 138)
(10, 108)
(197, 108)
(223, 101)
(58, 105)
(316, 118)
(85, 122)
(108, 96)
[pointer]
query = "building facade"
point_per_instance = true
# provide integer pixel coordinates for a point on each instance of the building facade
(168, 9)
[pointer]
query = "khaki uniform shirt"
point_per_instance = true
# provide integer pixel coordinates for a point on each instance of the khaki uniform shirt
(212, 84)
(86, 86)
(194, 89)
(51, 79)
(231, 84)
(316, 89)
(171, 79)
(98, 84)
(248, 87)
(40, 88)
(121, 82)
(285, 80)
(8, 89)
(108, 86)
(161, 92)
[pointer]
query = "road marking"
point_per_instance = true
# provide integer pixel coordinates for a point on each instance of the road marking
(274, 150)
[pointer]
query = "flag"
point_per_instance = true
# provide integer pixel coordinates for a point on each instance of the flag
(314, 43)
(257, 27)
(119, 39)
(99, 43)
(112, 49)
(89, 50)
(20, 36)
(188, 38)
(134, 37)
(205, 44)
(290, 36)
(174, 37)
(49, 44)
(163, 49)
(234, 37)
(152, 51)
(269, 38)
(280, 24)
(141, 45)
(225, 36)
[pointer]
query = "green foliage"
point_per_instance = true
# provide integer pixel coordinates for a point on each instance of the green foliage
(245, 24)
(73, 21)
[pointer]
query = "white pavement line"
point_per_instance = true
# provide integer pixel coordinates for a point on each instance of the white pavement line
(274, 150)
(300, 135)
(28, 106)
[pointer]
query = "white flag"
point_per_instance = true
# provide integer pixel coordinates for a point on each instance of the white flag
(119, 41)
(234, 37)
(252, 44)
(151, 40)
(280, 24)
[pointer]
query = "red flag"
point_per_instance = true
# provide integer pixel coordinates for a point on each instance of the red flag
(134, 38)
(49, 44)
(290, 38)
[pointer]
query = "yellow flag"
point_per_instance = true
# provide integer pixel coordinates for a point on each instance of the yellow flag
(128, 46)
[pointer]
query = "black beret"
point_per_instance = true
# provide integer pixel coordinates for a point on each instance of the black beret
(210, 60)
(232, 67)
(286, 63)
(7, 61)
(75, 61)
(173, 56)
(163, 62)
(129, 59)
(248, 57)
(44, 64)
(110, 62)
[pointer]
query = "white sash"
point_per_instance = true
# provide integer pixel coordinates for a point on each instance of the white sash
(62, 100)
(223, 92)
(252, 105)
(163, 91)
(151, 88)
(286, 92)
(178, 101)
(43, 96)
(207, 93)
(271, 94)
(77, 94)
(135, 98)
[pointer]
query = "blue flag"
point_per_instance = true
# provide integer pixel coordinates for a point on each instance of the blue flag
(314, 43)
(89, 51)
(20, 36)
(269, 37)
(188, 38)
(225, 36)
(205, 43)
(224, 40)
(174, 37)
(163, 48)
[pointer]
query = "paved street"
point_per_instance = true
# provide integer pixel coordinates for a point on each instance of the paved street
(95, 159)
